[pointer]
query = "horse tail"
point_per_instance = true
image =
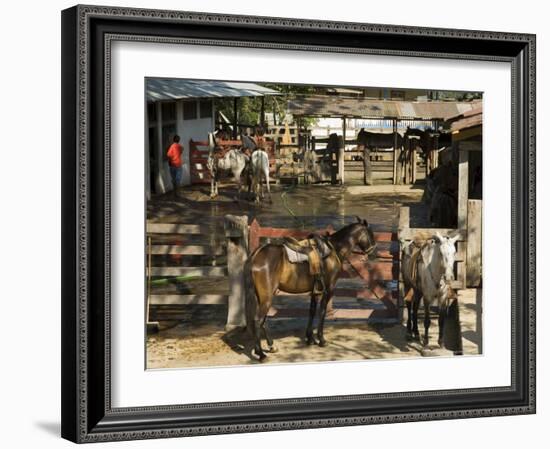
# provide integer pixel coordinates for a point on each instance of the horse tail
(251, 299)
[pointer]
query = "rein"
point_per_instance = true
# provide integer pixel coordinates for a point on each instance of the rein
(367, 252)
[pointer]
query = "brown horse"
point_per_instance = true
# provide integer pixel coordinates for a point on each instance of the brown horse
(271, 271)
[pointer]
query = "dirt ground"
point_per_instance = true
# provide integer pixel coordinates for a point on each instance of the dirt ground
(312, 206)
(194, 336)
(201, 343)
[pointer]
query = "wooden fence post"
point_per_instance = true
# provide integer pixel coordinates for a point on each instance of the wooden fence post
(473, 251)
(462, 188)
(236, 232)
(152, 326)
(395, 155)
(404, 223)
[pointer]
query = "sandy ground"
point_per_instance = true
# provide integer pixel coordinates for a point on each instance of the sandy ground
(200, 343)
(195, 335)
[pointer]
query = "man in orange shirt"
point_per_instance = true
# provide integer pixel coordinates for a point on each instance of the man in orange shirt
(175, 161)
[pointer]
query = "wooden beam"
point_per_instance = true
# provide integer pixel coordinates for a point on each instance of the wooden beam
(188, 271)
(235, 117)
(462, 188)
(341, 154)
(187, 250)
(404, 219)
(177, 228)
(473, 251)
(262, 112)
(184, 300)
(237, 253)
(394, 151)
(412, 233)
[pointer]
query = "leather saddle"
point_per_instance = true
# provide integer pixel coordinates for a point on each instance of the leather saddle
(311, 250)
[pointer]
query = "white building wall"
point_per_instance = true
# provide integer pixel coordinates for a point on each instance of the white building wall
(196, 129)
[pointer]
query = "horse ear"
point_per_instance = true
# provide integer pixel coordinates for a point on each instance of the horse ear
(358, 219)
(439, 237)
(365, 223)
(454, 239)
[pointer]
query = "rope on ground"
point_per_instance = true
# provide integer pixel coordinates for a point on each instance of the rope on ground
(302, 223)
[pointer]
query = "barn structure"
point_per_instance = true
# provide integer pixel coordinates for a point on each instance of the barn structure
(388, 116)
(186, 108)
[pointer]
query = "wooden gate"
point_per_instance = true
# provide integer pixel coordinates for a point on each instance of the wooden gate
(198, 155)
(365, 291)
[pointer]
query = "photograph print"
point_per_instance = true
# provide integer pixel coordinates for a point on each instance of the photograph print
(292, 223)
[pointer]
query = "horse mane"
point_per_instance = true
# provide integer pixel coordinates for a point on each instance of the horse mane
(345, 231)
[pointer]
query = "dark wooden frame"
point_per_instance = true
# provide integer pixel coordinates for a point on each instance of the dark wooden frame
(87, 32)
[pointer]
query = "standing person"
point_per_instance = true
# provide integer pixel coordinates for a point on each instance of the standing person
(175, 161)
(259, 137)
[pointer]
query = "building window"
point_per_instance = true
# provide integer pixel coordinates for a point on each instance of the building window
(168, 111)
(189, 110)
(205, 108)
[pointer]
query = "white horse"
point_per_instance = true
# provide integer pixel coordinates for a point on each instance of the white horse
(260, 173)
(234, 161)
(429, 270)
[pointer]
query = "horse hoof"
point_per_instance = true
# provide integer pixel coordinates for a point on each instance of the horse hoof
(311, 341)
(273, 349)
(323, 343)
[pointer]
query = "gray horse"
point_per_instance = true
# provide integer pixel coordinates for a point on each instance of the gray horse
(234, 162)
(428, 269)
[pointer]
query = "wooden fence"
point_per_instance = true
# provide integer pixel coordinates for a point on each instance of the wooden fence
(199, 157)
(468, 245)
(374, 282)
(178, 243)
(372, 285)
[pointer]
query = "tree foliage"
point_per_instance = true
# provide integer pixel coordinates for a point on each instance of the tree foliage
(249, 108)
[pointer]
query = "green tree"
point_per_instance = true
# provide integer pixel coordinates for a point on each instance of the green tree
(249, 108)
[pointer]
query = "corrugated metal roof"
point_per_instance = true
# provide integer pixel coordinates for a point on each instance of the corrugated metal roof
(159, 89)
(467, 119)
(334, 106)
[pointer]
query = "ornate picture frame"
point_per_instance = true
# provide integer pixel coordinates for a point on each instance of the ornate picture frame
(87, 35)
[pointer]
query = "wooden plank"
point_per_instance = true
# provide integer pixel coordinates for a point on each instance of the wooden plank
(457, 285)
(461, 274)
(414, 162)
(473, 251)
(404, 220)
(462, 189)
(461, 264)
(188, 250)
(158, 300)
(237, 253)
(412, 233)
(177, 228)
(188, 271)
